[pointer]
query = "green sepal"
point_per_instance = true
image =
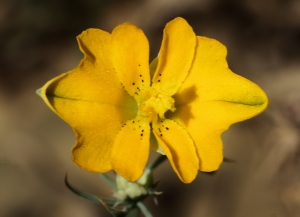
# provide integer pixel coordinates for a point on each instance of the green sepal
(155, 184)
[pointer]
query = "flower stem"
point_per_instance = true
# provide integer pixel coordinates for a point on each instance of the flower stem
(134, 212)
(144, 209)
(157, 162)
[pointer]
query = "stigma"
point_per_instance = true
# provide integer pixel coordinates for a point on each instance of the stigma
(153, 102)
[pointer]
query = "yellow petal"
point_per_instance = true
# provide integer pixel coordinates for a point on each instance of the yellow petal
(131, 149)
(211, 99)
(176, 55)
(130, 57)
(179, 148)
(91, 99)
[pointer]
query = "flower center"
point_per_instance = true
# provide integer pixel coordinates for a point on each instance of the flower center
(153, 101)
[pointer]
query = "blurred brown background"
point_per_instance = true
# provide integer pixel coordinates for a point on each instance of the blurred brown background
(38, 42)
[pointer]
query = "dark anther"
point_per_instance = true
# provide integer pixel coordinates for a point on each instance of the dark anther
(167, 128)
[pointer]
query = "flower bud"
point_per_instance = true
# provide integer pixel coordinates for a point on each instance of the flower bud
(133, 190)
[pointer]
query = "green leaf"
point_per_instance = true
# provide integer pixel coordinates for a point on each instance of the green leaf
(108, 180)
(81, 193)
(112, 211)
(228, 160)
(106, 203)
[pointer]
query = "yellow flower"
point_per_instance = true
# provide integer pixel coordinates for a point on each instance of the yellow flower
(116, 103)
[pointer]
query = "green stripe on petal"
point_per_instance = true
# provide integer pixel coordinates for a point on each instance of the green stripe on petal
(211, 99)
(91, 99)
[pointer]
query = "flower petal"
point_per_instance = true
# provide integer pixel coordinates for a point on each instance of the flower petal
(131, 149)
(176, 55)
(91, 99)
(130, 58)
(179, 148)
(211, 99)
